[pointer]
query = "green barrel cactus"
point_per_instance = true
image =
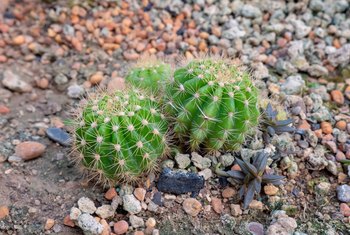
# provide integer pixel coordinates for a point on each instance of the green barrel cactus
(120, 136)
(213, 103)
(149, 74)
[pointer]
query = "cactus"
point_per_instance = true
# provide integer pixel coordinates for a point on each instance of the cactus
(214, 104)
(120, 136)
(149, 74)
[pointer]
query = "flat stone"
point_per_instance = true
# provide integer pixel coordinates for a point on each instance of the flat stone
(59, 135)
(14, 82)
(136, 221)
(178, 182)
(255, 228)
(105, 211)
(200, 162)
(183, 160)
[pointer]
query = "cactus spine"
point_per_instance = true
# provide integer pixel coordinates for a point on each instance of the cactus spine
(214, 104)
(120, 136)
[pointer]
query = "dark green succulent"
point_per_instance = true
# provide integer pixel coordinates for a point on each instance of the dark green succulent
(270, 124)
(252, 176)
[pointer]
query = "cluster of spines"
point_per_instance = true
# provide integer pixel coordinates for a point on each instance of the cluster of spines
(214, 104)
(120, 136)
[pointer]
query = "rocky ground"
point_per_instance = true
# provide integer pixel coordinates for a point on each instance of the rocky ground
(53, 52)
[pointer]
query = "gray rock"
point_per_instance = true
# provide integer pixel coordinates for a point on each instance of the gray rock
(250, 11)
(68, 30)
(343, 193)
(260, 71)
(233, 33)
(285, 67)
(332, 167)
(14, 82)
(226, 159)
(14, 158)
(152, 206)
(86, 205)
(168, 164)
(131, 204)
(323, 188)
(294, 85)
(322, 114)
(89, 225)
(213, 40)
(136, 221)
(296, 48)
(75, 91)
(200, 162)
(316, 5)
(300, 63)
(183, 160)
(301, 30)
(206, 173)
(74, 213)
(60, 79)
(341, 56)
(59, 135)
(255, 228)
(105, 211)
(317, 70)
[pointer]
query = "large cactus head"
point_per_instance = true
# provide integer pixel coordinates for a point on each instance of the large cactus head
(149, 74)
(214, 104)
(120, 136)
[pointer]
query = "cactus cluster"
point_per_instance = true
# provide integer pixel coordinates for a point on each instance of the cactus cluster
(120, 136)
(210, 104)
(213, 103)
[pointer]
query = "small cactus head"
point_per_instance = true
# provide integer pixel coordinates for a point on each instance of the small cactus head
(149, 74)
(119, 136)
(213, 103)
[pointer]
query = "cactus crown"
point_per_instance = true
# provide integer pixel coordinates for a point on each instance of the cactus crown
(214, 103)
(149, 74)
(120, 136)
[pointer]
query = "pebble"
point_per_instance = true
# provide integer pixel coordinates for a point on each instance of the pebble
(326, 128)
(192, 206)
(136, 222)
(14, 158)
(283, 225)
(270, 190)
(337, 97)
(131, 204)
(4, 211)
(216, 203)
(4, 109)
(256, 205)
(96, 78)
(14, 82)
(200, 162)
(75, 91)
(151, 222)
(140, 194)
(74, 213)
(228, 192)
(89, 225)
(49, 224)
(121, 227)
(344, 209)
(59, 135)
(29, 150)
(183, 160)
(294, 85)
(236, 210)
(343, 193)
(331, 145)
(60, 79)
(139, 233)
(347, 92)
(110, 194)
(42, 83)
(86, 205)
(226, 160)
(206, 173)
(105, 211)
(68, 221)
(255, 228)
